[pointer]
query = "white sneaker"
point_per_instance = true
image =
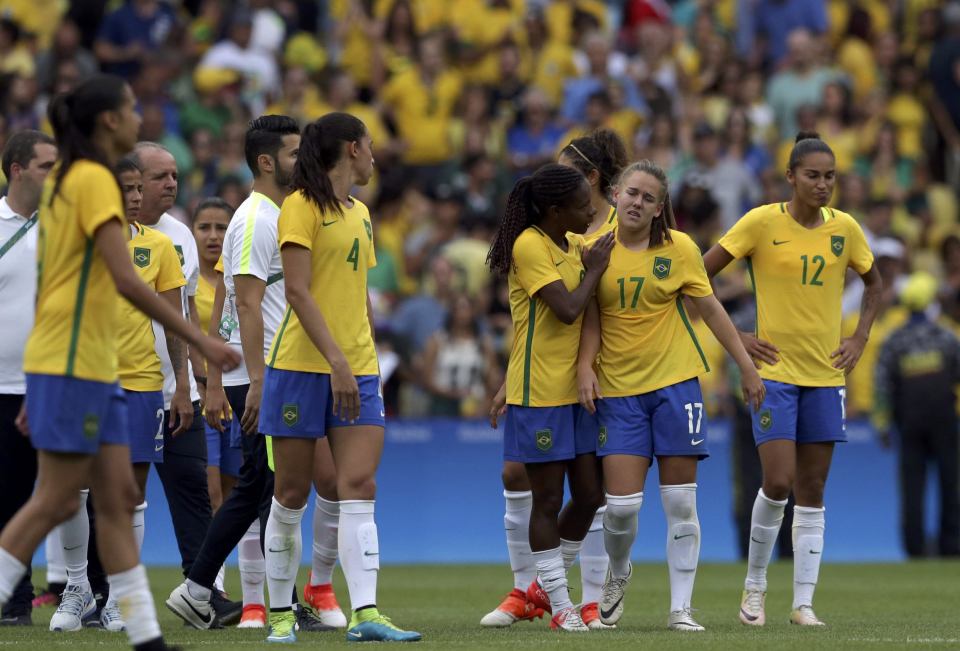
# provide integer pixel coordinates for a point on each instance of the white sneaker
(682, 620)
(611, 601)
(76, 605)
(804, 616)
(751, 608)
(569, 620)
(110, 618)
(199, 614)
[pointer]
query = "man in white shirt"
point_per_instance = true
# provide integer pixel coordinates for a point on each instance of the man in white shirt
(26, 161)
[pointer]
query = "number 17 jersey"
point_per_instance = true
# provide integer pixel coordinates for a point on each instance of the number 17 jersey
(798, 278)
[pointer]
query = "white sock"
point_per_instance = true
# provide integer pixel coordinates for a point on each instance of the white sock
(764, 528)
(132, 592)
(283, 549)
(53, 550)
(220, 578)
(74, 540)
(253, 570)
(569, 549)
(326, 523)
(553, 578)
(11, 571)
(516, 524)
(594, 560)
(197, 591)
(620, 530)
(808, 525)
(359, 551)
(139, 514)
(683, 541)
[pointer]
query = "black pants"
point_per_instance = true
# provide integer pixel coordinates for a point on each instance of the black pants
(184, 477)
(18, 474)
(250, 499)
(920, 444)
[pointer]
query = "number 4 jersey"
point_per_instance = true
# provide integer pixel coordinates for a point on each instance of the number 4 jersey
(798, 278)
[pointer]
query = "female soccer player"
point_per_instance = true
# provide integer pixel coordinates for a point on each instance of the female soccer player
(75, 411)
(797, 254)
(600, 156)
(652, 405)
(551, 277)
(322, 377)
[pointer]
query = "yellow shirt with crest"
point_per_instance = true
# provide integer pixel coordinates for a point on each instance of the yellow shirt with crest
(341, 248)
(542, 371)
(798, 277)
(647, 341)
(156, 262)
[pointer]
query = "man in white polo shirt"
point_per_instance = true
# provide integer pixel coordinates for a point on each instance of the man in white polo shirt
(26, 161)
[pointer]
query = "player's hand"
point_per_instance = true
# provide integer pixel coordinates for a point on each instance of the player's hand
(498, 407)
(597, 257)
(217, 409)
(181, 412)
(753, 389)
(759, 350)
(250, 420)
(346, 393)
(219, 353)
(21, 420)
(848, 354)
(588, 388)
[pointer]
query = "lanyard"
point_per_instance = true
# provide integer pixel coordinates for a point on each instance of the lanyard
(18, 235)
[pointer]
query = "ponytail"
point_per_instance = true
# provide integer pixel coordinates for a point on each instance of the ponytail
(321, 148)
(662, 223)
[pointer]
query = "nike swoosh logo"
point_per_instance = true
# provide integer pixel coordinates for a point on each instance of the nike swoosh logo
(605, 614)
(205, 620)
(371, 553)
(686, 535)
(70, 549)
(776, 243)
(355, 635)
(559, 263)
(748, 616)
(329, 223)
(279, 551)
(813, 552)
(692, 442)
(755, 540)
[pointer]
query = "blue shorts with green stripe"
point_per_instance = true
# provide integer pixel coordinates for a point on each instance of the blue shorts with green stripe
(299, 404)
(67, 414)
(544, 434)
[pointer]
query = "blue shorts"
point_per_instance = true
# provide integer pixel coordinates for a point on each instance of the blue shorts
(66, 414)
(543, 434)
(587, 431)
(145, 419)
(300, 404)
(221, 451)
(668, 422)
(801, 414)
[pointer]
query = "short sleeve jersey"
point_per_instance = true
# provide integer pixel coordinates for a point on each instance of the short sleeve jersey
(341, 248)
(608, 225)
(156, 262)
(647, 341)
(204, 302)
(75, 331)
(798, 277)
(542, 369)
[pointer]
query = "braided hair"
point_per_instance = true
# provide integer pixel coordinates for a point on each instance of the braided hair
(662, 223)
(602, 151)
(531, 197)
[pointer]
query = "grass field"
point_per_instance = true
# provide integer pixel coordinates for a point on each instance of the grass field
(865, 606)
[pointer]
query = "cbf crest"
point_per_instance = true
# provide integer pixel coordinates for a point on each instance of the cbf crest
(368, 228)
(661, 267)
(836, 244)
(141, 257)
(544, 439)
(179, 250)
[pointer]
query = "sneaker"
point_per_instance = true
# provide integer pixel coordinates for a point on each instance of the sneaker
(17, 620)
(323, 601)
(611, 601)
(50, 596)
(537, 596)
(568, 620)
(804, 616)
(194, 612)
(254, 616)
(751, 608)
(228, 612)
(368, 625)
(590, 614)
(111, 619)
(514, 607)
(682, 620)
(282, 627)
(76, 605)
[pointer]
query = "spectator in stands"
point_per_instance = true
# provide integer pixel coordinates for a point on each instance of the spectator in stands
(765, 27)
(660, 143)
(417, 318)
(945, 100)
(801, 82)
(131, 33)
(66, 48)
(890, 173)
(600, 67)
(535, 138)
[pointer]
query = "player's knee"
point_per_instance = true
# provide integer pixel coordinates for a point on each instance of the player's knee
(809, 491)
(356, 487)
(777, 488)
(515, 477)
(57, 511)
(548, 505)
(589, 499)
(326, 486)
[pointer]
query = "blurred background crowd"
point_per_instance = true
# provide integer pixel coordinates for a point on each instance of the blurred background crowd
(463, 97)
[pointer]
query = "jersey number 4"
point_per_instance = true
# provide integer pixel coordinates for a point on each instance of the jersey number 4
(354, 256)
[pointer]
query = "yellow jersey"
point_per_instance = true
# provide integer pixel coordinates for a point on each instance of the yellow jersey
(798, 276)
(342, 251)
(607, 226)
(542, 370)
(75, 330)
(204, 300)
(156, 262)
(423, 114)
(647, 341)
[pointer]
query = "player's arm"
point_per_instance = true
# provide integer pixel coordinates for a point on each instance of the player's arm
(588, 386)
(716, 260)
(851, 348)
(181, 408)
(216, 406)
(250, 290)
(297, 271)
(196, 359)
(567, 305)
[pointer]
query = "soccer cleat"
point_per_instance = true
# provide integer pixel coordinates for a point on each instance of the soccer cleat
(569, 620)
(514, 607)
(751, 608)
(76, 605)
(323, 601)
(682, 620)
(17, 620)
(590, 614)
(611, 600)
(227, 612)
(368, 625)
(282, 627)
(111, 619)
(537, 596)
(254, 616)
(194, 612)
(804, 616)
